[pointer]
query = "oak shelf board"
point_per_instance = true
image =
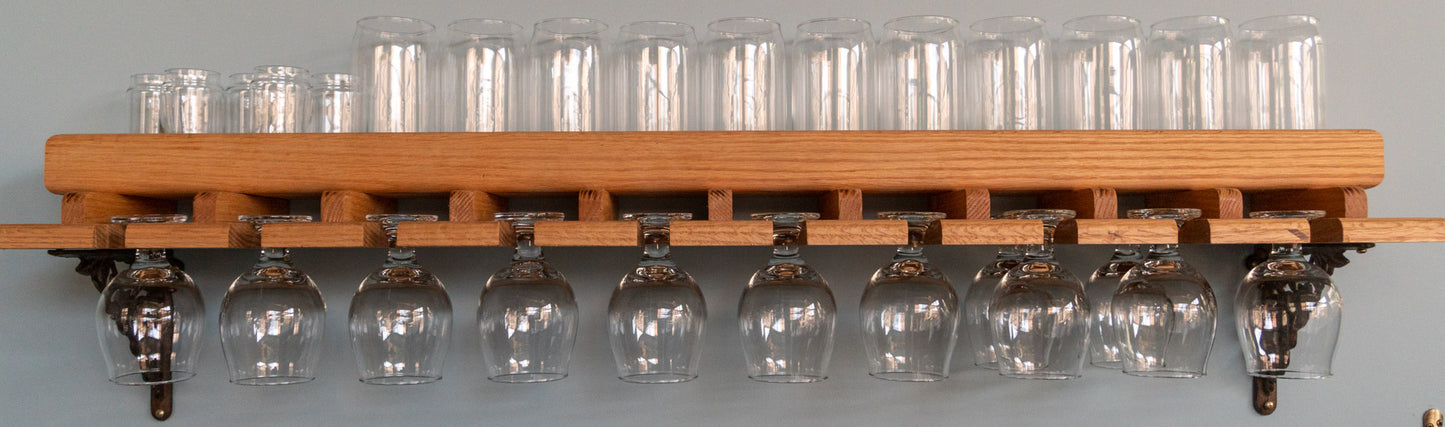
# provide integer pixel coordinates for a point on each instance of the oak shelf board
(721, 233)
(436, 164)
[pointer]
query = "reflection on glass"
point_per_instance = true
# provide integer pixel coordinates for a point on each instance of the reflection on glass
(566, 58)
(1098, 73)
(1007, 74)
(1186, 77)
(830, 74)
(1280, 79)
(150, 317)
(272, 318)
(918, 74)
(655, 79)
(657, 313)
(787, 313)
(391, 66)
(1040, 314)
(909, 311)
(976, 322)
(527, 314)
(1103, 335)
(1165, 310)
(743, 76)
(401, 317)
(1288, 312)
(483, 76)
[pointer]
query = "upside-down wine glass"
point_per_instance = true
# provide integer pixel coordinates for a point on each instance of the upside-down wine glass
(1040, 314)
(527, 314)
(1288, 312)
(401, 317)
(150, 316)
(272, 318)
(657, 313)
(909, 311)
(787, 313)
(1165, 310)
(975, 305)
(1103, 337)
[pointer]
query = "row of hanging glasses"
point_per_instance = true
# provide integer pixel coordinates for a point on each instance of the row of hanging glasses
(921, 73)
(1025, 314)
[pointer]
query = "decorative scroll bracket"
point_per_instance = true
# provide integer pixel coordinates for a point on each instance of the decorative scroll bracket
(99, 264)
(1326, 256)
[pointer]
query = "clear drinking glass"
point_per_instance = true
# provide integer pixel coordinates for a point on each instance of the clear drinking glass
(976, 322)
(391, 64)
(1288, 312)
(1103, 334)
(1165, 310)
(743, 76)
(787, 313)
(1280, 80)
(909, 311)
(918, 74)
(655, 80)
(193, 103)
(830, 75)
(1040, 314)
(272, 318)
(147, 96)
(1007, 73)
(482, 63)
(1097, 73)
(150, 317)
(401, 317)
(237, 103)
(566, 59)
(528, 314)
(334, 100)
(657, 313)
(1186, 73)
(279, 99)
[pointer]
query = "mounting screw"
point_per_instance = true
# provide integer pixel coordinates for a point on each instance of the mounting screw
(1432, 418)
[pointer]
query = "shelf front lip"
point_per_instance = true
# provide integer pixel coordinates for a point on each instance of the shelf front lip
(303, 165)
(742, 233)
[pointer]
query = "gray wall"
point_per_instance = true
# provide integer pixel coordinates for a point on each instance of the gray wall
(63, 69)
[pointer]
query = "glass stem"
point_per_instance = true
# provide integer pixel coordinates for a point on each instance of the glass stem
(917, 231)
(527, 250)
(151, 258)
(1168, 251)
(400, 256)
(1291, 251)
(785, 242)
(656, 242)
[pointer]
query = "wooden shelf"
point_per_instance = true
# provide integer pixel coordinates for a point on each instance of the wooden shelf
(722, 233)
(354, 175)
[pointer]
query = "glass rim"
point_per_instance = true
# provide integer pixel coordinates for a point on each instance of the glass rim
(747, 26)
(1003, 25)
(650, 29)
(398, 25)
(1165, 213)
(1102, 25)
(1183, 24)
(280, 70)
(939, 24)
(177, 375)
(1060, 214)
(800, 216)
(563, 26)
(332, 79)
(148, 79)
(1288, 214)
(191, 75)
(927, 215)
(150, 219)
(1302, 26)
(485, 27)
(268, 219)
(672, 216)
(400, 218)
(528, 216)
(826, 27)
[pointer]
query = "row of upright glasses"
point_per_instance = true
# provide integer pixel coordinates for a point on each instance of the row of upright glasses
(269, 99)
(1027, 315)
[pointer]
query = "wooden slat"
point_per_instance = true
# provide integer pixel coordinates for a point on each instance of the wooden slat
(722, 233)
(1088, 203)
(841, 204)
(1118, 232)
(463, 206)
(61, 236)
(1342, 202)
(719, 205)
(220, 206)
(353, 206)
(448, 233)
(192, 235)
(1225, 203)
(97, 208)
(303, 165)
(973, 203)
(1239, 231)
(596, 205)
(1375, 230)
(586, 233)
(323, 235)
(992, 232)
(855, 232)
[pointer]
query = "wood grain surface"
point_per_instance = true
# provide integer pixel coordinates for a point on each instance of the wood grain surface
(448, 233)
(1377, 230)
(991, 232)
(1224, 203)
(855, 232)
(192, 235)
(304, 165)
(1088, 203)
(1342, 202)
(719, 205)
(722, 233)
(323, 235)
(972, 203)
(353, 206)
(1118, 232)
(1240, 231)
(62, 236)
(465, 206)
(841, 204)
(98, 208)
(220, 206)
